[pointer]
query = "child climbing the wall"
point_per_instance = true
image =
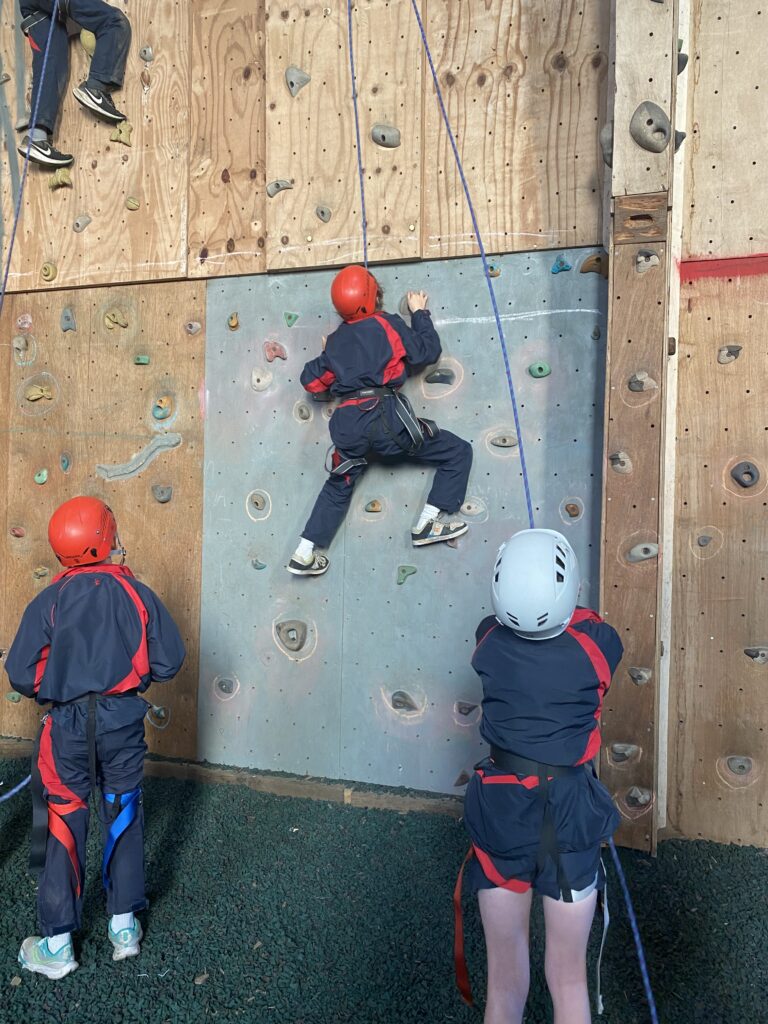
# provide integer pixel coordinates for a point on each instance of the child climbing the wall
(113, 38)
(89, 645)
(365, 363)
(534, 809)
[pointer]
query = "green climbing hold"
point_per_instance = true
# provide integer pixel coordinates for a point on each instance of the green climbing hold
(539, 370)
(403, 572)
(41, 476)
(141, 360)
(13, 697)
(291, 318)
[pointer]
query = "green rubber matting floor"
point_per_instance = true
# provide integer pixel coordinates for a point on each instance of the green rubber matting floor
(300, 912)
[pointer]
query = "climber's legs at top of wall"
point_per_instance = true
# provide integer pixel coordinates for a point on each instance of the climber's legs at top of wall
(35, 25)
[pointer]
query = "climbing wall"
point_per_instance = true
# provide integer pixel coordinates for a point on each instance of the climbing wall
(104, 391)
(364, 673)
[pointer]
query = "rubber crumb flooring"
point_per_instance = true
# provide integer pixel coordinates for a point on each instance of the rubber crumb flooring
(270, 909)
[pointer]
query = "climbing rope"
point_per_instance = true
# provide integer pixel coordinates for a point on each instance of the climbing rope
(357, 135)
(15, 790)
(635, 932)
(32, 124)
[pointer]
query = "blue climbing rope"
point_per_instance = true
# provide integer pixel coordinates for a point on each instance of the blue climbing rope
(32, 124)
(15, 790)
(357, 135)
(635, 932)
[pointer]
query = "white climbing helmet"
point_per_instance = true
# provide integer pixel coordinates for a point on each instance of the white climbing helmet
(536, 584)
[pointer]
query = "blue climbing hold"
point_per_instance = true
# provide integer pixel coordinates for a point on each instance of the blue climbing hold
(560, 265)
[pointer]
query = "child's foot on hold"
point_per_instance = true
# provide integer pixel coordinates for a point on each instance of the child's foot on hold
(437, 530)
(99, 102)
(43, 153)
(35, 955)
(315, 565)
(126, 941)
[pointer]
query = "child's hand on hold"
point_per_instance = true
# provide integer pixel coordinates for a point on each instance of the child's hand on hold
(417, 300)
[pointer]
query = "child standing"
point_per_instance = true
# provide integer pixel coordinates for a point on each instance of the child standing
(534, 809)
(365, 363)
(89, 644)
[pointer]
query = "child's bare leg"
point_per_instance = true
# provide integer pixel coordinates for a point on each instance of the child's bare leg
(506, 917)
(568, 926)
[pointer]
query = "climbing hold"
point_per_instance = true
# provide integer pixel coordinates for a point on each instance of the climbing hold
(404, 309)
(37, 391)
(65, 462)
(641, 381)
(596, 334)
(650, 127)
(61, 178)
(41, 572)
(24, 322)
(758, 654)
(115, 318)
(639, 676)
(147, 54)
(132, 203)
(645, 260)
(679, 140)
(402, 701)
(494, 270)
(561, 265)
(146, 79)
(642, 552)
(13, 696)
(260, 379)
(291, 318)
(122, 133)
(88, 41)
(303, 411)
(728, 354)
(296, 79)
(596, 263)
(81, 222)
(323, 213)
(18, 532)
(465, 708)
(703, 540)
(162, 493)
(258, 501)
(386, 135)
(277, 186)
(48, 271)
(504, 441)
(573, 510)
(739, 765)
(472, 507)
(68, 320)
(462, 778)
(158, 716)
(442, 375)
(682, 62)
(233, 321)
(5, 77)
(606, 143)
(41, 476)
(539, 370)
(621, 752)
(192, 327)
(20, 344)
(256, 564)
(746, 474)
(403, 572)
(620, 462)
(141, 360)
(141, 460)
(163, 407)
(292, 634)
(374, 506)
(637, 797)
(274, 350)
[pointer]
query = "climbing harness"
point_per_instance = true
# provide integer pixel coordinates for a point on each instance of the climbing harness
(125, 807)
(16, 789)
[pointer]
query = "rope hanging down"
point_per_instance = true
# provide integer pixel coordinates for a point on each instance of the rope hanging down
(15, 790)
(357, 136)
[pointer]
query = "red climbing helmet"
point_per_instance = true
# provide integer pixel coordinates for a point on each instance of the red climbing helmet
(353, 293)
(83, 531)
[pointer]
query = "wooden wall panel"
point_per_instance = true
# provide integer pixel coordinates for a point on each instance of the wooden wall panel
(311, 136)
(523, 86)
(720, 697)
(101, 413)
(227, 230)
(118, 245)
(727, 201)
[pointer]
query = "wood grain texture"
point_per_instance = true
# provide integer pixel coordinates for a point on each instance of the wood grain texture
(640, 218)
(637, 342)
(311, 136)
(101, 413)
(524, 88)
(720, 603)
(119, 245)
(227, 230)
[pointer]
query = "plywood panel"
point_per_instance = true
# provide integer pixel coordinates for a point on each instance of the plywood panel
(227, 230)
(637, 345)
(118, 245)
(720, 609)
(101, 413)
(524, 90)
(727, 184)
(311, 136)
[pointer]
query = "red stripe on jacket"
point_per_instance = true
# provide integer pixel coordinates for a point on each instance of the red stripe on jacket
(602, 671)
(394, 367)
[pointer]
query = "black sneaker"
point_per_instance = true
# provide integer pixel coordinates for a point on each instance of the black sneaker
(316, 566)
(98, 102)
(437, 530)
(44, 153)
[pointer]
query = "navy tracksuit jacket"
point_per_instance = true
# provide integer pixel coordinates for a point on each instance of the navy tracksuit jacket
(94, 630)
(378, 351)
(542, 700)
(113, 39)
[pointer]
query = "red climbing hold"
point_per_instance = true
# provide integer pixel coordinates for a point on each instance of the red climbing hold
(274, 350)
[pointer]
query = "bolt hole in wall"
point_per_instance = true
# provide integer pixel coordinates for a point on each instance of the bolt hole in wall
(364, 673)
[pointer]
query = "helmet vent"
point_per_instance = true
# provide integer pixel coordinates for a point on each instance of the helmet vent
(560, 564)
(512, 619)
(542, 619)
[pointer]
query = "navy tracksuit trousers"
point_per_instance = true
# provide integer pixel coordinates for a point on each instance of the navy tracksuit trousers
(113, 39)
(363, 430)
(63, 762)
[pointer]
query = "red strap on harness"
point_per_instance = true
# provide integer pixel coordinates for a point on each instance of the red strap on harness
(61, 831)
(459, 959)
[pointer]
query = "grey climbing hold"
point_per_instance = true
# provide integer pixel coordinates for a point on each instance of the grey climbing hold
(121, 471)
(620, 462)
(465, 708)
(225, 685)
(728, 354)
(5, 77)
(404, 309)
(292, 634)
(162, 493)
(637, 797)
(323, 213)
(303, 411)
(277, 186)
(147, 54)
(158, 716)
(504, 441)
(374, 506)
(41, 572)
(386, 135)
(704, 540)
(639, 676)
(442, 375)
(192, 327)
(621, 752)
(260, 378)
(650, 127)
(20, 344)
(645, 260)
(68, 320)
(296, 79)
(461, 779)
(403, 572)
(682, 62)
(642, 552)
(596, 334)
(606, 143)
(679, 140)
(473, 507)
(739, 765)
(402, 701)
(746, 474)
(758, 654)
(258, 501)
(81, 222)
(642, 381)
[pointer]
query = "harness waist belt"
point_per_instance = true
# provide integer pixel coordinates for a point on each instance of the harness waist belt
(509, 762)
(370, 393)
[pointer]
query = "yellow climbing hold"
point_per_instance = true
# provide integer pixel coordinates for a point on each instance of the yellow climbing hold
(88, 41)
(37, 391)
(115, 318)
(61, 178)
(48, 271)
(122, 133)
(132, 203)
(233, 321)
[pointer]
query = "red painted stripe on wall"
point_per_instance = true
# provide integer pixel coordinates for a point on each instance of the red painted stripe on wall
(736, 266)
